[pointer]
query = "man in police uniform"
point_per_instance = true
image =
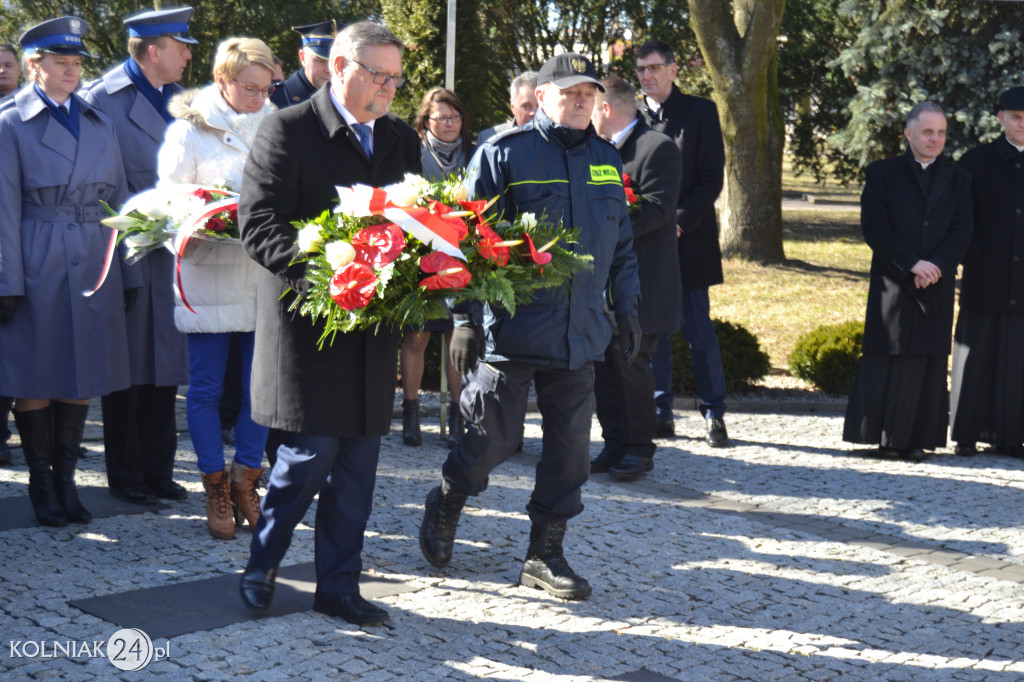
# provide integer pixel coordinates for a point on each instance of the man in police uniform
(315, 72)
(139, 429)
(558, 166)
(522, 102)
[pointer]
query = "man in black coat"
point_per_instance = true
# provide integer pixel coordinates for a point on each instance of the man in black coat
(692, 122)
(625, 392)
(916, 217)
(327, 409)
(987, 402)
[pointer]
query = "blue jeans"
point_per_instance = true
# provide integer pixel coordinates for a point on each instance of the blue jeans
(208, 359)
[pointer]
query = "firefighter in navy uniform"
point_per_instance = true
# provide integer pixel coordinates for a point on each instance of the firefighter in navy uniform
(558, 166)
(314, 72)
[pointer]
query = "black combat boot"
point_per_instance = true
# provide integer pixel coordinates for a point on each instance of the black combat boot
(68, 425)
(411, 423)
(546, 568)
(456, 425)
(36, 430)
(440, 519)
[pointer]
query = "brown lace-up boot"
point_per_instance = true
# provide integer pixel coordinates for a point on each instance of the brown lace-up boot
(218, 505)
(244, 481)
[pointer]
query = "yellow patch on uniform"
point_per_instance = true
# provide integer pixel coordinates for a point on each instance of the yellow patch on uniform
(604, 174)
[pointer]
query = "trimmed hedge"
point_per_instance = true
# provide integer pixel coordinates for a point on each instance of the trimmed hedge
(743, 359)
(828, 356)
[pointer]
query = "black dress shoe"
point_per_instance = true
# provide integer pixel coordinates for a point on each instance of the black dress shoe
(632, 467)
(169, 490)
(965, 449)
(350, 607)
(913, 455)
(5, 454)
(717, 436)
(666, 429)
(609, 457)
(257, 587)
(134, 494)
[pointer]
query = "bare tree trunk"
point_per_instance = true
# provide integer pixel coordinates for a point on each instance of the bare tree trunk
(739, 43)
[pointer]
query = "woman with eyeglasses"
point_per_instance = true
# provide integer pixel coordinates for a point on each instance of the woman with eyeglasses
(444, 132)
(208, 145)
(61, 344)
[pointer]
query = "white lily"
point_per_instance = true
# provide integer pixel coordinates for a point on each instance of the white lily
(121, 222)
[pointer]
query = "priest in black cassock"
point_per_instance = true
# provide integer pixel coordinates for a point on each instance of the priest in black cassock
(916, 217)
(988, 347)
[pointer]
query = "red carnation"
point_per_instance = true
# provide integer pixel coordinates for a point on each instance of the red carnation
(631, 197)
(378, 245)
(353, 286)
(451, 272)
(233, 214)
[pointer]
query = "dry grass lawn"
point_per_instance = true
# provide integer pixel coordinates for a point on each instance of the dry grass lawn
(823, 281)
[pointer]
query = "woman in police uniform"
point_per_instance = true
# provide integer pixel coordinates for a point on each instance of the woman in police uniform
(60, 346)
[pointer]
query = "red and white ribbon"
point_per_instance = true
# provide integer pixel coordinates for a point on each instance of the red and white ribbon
(107, 260)
(441, 235)
(191, 225)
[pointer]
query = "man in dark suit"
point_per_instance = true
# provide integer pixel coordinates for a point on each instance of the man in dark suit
(327, 409)
(916, 217)
(625, 392)
(987, 401)
(314, 71)
(692, 122)
(140, 436)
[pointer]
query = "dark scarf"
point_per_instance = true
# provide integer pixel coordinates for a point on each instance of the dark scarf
(59, 113)
(158, 99)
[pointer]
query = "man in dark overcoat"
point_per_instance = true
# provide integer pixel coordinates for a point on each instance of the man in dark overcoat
(692, 122)
(139, 425)
(916, 217)
(987, 400)
(624, 393)
(327, 409)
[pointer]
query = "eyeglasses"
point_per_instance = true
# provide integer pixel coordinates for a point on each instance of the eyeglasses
(382, 78)
(251, 90)
(454, 118)
(655, 69)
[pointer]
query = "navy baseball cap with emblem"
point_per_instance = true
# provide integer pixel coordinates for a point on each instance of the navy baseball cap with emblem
(318, 37)
(568, 69)
(56, 36)
(172, 23)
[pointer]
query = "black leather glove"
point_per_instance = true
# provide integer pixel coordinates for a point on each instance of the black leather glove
(467, 347)
(629, 336)
(8, 304)
(129, 298)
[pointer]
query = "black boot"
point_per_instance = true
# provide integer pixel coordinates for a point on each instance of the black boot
(68, 425)
(440, 519)
(545, 566)
(411, 423)
(36, 430)
(456, 425)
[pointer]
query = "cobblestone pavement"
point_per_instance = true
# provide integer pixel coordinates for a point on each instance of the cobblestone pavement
(788, 556)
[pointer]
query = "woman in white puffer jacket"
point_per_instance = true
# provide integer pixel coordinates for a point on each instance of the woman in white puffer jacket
(208, 145)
